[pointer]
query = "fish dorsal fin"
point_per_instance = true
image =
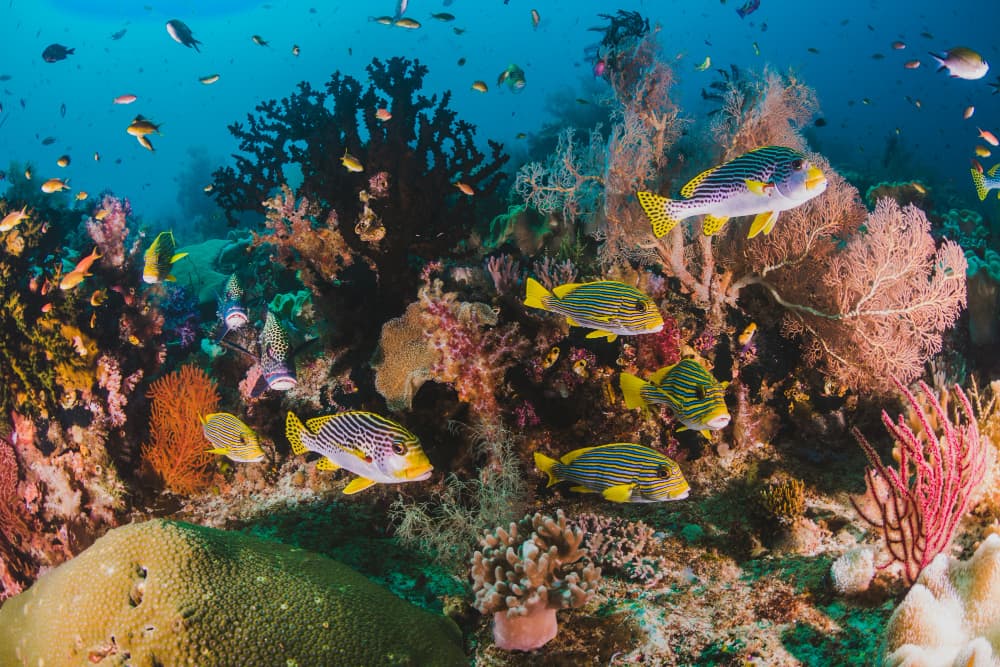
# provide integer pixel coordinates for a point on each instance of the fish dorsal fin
(688, 190)
(763, 222)
(657, 377)
(562, 290)
(993, 170)
(316, 423)
(358, 484)
(620, 493)
(326, 464)
(575, 454)
(712, 224)
(603, 334)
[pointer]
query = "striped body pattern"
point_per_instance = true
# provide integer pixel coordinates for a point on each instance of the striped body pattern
(611, 308)
(231, 310)
(622, 472)
(160, 257)
(761, 183)
(274, 356)
(377, 449)
(231, 437)
(986, 182)
(694, 396)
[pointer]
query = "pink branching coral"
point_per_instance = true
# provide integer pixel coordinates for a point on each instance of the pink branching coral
(570, 182)
(505, 271)
(109, 378)
(552, 273)
(918, 504)
(474, 353)
(623, 546)
(109, 233)
(523, 574)
(12, 525)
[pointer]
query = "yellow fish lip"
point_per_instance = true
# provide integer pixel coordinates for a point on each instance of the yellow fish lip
(418, 472)
(814, 177)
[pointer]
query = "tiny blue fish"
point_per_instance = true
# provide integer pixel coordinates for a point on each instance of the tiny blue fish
(622, 472)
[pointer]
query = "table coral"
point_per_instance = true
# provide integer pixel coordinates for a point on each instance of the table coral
(171, 593)
(523, 574)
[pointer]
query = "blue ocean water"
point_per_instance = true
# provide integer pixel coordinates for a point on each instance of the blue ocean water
(845, 70)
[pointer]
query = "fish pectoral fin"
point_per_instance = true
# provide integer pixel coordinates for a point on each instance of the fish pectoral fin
(326, 464)
(358, 484)
(218, 450)
(713, 223)
(171, 277)
(603, 334)
(706, 433)
(581, 489)
(758, 187)
(763, 222)
(620, 493)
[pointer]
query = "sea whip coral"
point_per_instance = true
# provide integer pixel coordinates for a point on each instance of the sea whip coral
(523, 574)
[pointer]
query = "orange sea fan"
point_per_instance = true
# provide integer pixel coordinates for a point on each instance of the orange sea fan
(177, 447)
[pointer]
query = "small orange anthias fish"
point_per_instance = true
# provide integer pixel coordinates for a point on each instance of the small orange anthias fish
(79, 272)
(13, 219)
(988, 137)
(55, 185)
(383, 114)
(465, 188)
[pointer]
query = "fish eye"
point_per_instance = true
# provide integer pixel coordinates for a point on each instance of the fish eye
(798, 163)
(398, 448)
(699, 391)
(663, 471)
(639, 306)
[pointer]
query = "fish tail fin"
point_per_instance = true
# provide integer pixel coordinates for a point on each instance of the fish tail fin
(294, 429)
(536, 294)
(632, 387)
(939, 59)
(980, 182)
(547, 464)
(660, 212)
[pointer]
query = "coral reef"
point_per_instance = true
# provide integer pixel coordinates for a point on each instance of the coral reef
(950, 616)
(163, 592)
(622, 546)
(524, 573)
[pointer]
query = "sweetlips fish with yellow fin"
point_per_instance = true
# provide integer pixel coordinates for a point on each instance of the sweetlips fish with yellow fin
(377, 449)
(160, 257)
(231, 437)
(762, 183)
(695, 397)
(611, 308)
(621, 472)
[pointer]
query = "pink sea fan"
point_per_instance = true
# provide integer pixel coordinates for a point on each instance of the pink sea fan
(109, 233)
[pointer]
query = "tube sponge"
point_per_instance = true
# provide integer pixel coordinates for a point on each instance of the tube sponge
(951, 616)
(524, 574)
(171, 593)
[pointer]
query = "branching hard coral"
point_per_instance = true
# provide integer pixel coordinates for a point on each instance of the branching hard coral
(619, 545)
(177, 449)
(918, 505)
(525, 573)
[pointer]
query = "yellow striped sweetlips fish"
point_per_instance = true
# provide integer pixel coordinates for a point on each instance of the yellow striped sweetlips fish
(231, 437)
(696, 398)
(611, 308)
(377, 449)
(160, 257)
(761, 183)
(622, 472)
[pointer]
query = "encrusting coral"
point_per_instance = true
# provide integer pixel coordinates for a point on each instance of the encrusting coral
(171, 593)
(523, 574)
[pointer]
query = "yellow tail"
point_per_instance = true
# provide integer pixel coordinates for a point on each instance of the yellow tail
(632, 387)
(536, 294)
(658, 210)
(544, 463)
(980, 182)
(294, 428)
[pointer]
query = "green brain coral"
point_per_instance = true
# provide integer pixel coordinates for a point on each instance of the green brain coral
(171, 593)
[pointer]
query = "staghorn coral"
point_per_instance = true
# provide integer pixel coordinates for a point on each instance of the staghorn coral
(177, 448)
(951, 616)
(524, 573)
(163, 592)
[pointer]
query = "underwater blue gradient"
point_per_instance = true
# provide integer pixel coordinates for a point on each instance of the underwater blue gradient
(339, 35)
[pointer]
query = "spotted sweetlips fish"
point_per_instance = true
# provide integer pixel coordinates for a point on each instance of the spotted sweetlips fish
(622, 472)
(232, 312)
(695, 397)
(761, 183)
(612, 308)
(376, 449)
